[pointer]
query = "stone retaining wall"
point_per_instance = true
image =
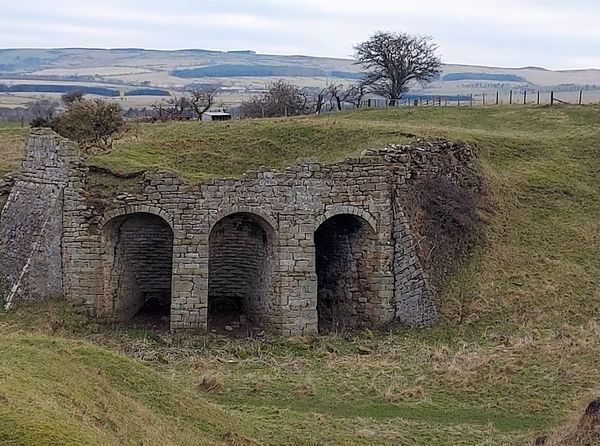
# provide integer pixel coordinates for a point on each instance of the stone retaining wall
(269, 265)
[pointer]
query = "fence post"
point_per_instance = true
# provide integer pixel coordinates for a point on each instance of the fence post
(459, 99)
(525, 97)
(483, 98)
(497, 97)
(551, 98)
(510, 98)
(580, 97)
(538, 98)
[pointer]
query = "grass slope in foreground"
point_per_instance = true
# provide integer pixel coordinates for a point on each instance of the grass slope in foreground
(60, 391)
(516, 351)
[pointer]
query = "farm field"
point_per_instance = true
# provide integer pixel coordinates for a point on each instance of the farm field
(514, 356)
(245, 72)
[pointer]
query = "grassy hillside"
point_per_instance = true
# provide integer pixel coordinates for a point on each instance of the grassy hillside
(517, 349)
(55, 390)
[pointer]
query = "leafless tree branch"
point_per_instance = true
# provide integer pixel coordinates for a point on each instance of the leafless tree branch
(393, 60)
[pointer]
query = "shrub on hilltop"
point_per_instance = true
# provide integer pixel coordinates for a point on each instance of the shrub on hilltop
(90, 122)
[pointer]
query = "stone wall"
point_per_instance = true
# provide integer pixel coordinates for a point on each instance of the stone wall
(413, 164)
(250, 239)
(31, 223)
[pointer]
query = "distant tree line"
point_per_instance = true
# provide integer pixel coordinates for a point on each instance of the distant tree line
(99, 91)
(44, 88)
(286, 99)
(483, 76)
(147, 92)
(192, 104)
(228, 70)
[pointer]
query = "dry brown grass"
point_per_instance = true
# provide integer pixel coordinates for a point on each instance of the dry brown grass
(582, 430)
(211, 384)
(12, 138)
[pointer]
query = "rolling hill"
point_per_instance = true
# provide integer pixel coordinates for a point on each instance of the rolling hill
(237, 73)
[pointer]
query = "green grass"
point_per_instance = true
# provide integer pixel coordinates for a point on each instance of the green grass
(516, 352)
(68, 392)
(12, 137)
(199, 151)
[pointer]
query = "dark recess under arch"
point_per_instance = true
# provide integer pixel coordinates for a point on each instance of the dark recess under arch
(241, 255)
(345, 254)
(139, 263)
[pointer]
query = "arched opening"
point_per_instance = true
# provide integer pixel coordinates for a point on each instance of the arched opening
(345, 262)
(241, 253)
(139, 263)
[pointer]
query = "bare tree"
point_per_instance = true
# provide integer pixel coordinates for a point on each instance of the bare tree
(334, 92)
(338, 94)
(392, 60)
(354, 94)
(202, 100)
(319, 100)
(281, 99)
(158, 109)
(177, 108)
(44, 112)
(71, 96)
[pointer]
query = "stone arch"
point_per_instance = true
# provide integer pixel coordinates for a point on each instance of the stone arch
(241, 269)
(137, 266)
(332, 211)
(239, 209)
(346, 247)
(135, 209)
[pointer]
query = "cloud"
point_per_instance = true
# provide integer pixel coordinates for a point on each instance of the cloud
(553, 33)
(201, 20)
(64, 28)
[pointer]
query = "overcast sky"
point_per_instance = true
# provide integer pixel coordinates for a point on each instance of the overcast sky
(548, 33)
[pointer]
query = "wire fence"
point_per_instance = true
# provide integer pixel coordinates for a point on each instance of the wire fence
(508, 97)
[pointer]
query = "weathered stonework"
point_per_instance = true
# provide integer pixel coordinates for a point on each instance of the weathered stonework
(31, 225)
(315, 247)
